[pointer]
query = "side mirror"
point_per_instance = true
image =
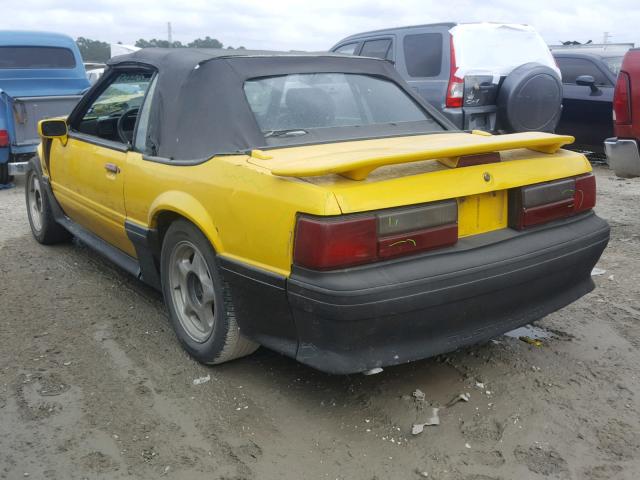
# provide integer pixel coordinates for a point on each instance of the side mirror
(53, 129)
(587, 81)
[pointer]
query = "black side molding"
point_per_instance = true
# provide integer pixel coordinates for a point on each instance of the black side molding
(111, 253)
(261, 305)
(145, 241)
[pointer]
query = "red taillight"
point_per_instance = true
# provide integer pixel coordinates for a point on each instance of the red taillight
(324, 244)
(455, 89)
(622, 100)
(339, 242)
(4, 138)
(423, 240)
(585, 195)
(545, 202)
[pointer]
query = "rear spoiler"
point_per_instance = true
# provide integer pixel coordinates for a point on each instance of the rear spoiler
(361, 163)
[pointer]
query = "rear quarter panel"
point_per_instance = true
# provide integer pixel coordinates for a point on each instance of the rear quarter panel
(246, 213)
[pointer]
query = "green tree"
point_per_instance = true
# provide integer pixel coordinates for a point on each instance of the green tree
(93, 50)
(206, 42)
(154, 42)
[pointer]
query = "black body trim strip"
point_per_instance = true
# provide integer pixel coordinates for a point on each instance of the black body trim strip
(145, 241)
(261, 305)
(119, 147)
(182, 163)
(253, 273)
(111, 253)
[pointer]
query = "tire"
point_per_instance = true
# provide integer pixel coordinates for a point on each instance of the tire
(41, 220)
(201, 310)
(530, 99)
(4, 174)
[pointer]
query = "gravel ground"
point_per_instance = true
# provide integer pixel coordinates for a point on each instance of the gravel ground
(94, 385)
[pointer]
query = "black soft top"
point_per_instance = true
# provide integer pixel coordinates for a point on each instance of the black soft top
(199, 107)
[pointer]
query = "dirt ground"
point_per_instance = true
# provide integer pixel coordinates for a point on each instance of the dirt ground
(93, 384)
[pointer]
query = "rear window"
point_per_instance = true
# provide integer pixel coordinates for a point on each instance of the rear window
(36, 57)
(335, 104)
(423, 54)
(497, 49)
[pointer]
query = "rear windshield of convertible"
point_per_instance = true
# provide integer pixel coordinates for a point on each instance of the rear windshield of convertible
(333, 106)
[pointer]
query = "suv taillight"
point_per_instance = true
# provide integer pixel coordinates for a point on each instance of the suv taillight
(4, 138)
(345, 241)
(455, 89)
(622, 100)
(544, 202)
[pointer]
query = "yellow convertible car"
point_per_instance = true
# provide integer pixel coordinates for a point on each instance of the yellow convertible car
(314, 204)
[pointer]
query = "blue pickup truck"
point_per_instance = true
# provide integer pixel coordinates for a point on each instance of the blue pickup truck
(41, 75)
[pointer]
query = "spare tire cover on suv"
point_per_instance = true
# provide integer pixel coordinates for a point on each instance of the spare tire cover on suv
(530, 99)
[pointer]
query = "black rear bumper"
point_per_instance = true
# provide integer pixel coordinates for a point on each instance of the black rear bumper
(394, 312)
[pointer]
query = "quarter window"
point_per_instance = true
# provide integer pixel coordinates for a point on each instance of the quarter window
(423, 54)
(376, 48)
(348, 49)
(143, 143)
(572, 68)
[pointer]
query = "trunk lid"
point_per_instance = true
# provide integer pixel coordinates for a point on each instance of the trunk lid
(419, 169)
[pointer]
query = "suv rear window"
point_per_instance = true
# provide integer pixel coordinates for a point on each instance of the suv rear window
(36, 57)
(326, 105)
(423, 54)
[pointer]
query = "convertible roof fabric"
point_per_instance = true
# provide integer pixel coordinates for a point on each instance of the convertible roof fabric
(199, 107)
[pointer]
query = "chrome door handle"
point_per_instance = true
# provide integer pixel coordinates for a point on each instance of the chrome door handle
(111, 167)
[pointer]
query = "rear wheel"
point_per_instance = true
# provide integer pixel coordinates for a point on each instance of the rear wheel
(43, 225)
(200, 307)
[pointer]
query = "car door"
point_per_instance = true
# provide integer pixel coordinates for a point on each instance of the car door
(586, 114)
(88, 172)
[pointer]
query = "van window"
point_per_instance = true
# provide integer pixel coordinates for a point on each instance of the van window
(348, 49)
(36, 57)
(423, 54)
(572, 68)
(376, 48)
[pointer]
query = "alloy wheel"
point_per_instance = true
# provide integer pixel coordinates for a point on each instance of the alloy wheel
(192, 291)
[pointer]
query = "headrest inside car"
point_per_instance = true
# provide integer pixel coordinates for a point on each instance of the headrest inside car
(309, 107)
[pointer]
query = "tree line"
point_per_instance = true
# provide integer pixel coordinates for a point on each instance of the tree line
(97, 51)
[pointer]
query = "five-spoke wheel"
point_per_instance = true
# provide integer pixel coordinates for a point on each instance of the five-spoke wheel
(199, 301)
(192, 291)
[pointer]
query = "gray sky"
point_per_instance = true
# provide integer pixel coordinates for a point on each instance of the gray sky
(317, 25)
